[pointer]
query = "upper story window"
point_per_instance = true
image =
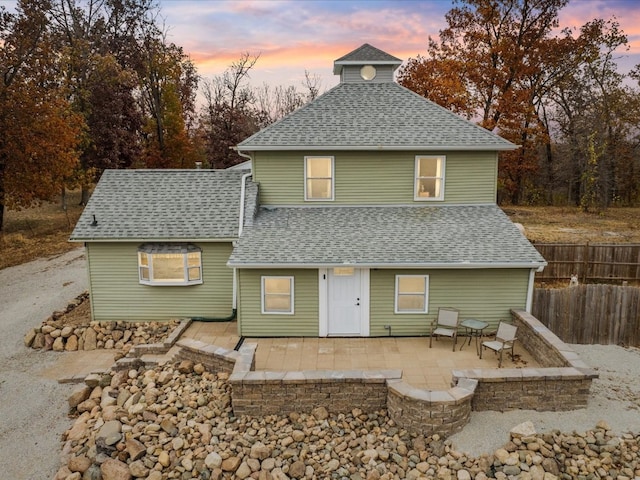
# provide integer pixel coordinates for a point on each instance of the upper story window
(429, 181)
(169, 264)
(318, 173)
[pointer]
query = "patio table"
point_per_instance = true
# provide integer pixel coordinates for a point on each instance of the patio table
(474, 329)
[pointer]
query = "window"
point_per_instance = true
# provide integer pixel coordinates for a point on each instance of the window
(169, 264)
(429, 178)
(318, 172)
(412, 294)
(277, 295)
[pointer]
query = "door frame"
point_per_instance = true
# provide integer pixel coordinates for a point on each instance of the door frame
(324, 306)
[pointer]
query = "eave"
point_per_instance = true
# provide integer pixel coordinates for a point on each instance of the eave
(153, 239)
(443, 148)
(422, 265)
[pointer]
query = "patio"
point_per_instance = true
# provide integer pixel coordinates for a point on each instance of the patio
(426, 390)
(421, 366)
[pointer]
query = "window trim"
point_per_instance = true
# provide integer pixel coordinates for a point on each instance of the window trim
(416, 177)
(263, 294)
(148, 250)
(307, 178)
(397, 295)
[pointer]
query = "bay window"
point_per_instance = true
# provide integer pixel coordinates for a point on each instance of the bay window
(169, 264)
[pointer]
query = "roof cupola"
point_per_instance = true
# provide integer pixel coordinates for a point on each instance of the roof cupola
(366, 64)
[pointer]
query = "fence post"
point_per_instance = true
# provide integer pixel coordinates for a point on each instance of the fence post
(585, 265)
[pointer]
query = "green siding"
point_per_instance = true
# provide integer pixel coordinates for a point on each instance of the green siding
(481, 294)
(375, 177)
(303, 323)
(116, 293)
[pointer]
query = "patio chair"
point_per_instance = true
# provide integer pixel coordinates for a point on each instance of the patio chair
(445, 325)
(505, 339)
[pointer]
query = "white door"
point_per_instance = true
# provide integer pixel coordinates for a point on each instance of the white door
(345, 302)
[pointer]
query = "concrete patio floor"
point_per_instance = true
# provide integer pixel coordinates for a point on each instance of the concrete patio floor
(422, 367)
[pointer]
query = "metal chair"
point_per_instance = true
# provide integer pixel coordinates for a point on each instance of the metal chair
(445, 325)
(505, 339)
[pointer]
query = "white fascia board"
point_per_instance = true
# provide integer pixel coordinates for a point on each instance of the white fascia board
(484, 148)
(368, 62)
(337, 65)
(422, 266)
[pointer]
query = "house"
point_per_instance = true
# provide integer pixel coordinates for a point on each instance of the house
(363, 212)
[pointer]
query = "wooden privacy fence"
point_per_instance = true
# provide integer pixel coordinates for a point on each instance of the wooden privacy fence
(591, 314)
(590, 262)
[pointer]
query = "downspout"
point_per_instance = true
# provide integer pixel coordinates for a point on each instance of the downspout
(532, 278)
(234, 291)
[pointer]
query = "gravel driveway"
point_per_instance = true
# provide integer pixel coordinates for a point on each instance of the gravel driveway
(33, 408)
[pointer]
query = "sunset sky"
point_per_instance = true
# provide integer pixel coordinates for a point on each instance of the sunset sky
(292, 36)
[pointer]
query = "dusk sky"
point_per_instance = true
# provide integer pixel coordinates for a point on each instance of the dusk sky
(292, 36)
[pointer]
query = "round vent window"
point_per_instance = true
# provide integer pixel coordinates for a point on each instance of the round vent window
(368, 72)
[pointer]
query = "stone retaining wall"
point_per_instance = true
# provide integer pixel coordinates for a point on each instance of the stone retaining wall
(430, 412)
(562, 383)
(215, 359)
(260, 393)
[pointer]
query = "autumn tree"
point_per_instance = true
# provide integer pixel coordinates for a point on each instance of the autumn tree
(169, 84)
(39, 132)
(234, 109)
(486, 65)
(595, 107)
(113, 120)
(98, 39)
(228, 115)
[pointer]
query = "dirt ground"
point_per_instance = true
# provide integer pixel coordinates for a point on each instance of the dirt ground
(571, 225)
(40, 231)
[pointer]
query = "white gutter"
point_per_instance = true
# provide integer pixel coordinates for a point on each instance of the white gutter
(431, 148)
(152, 239)
(432, 266)
(532, 276)
(243, 183)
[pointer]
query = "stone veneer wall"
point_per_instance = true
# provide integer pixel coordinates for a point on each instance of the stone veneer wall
(429, 412)
(260, 393)
(561, 383)
(215, 359)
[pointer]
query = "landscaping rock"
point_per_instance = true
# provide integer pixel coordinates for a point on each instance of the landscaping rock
(90, 339)
(190, 431)
(54, 335)
(79, 395)
(114, 470)
(29, 337)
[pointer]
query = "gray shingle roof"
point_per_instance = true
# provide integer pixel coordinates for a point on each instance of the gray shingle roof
(363, 55)
(430, 236)
(366, 53)
(163, 205)
(373, 116)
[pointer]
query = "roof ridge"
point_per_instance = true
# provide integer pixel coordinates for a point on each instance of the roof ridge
(370, 50)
